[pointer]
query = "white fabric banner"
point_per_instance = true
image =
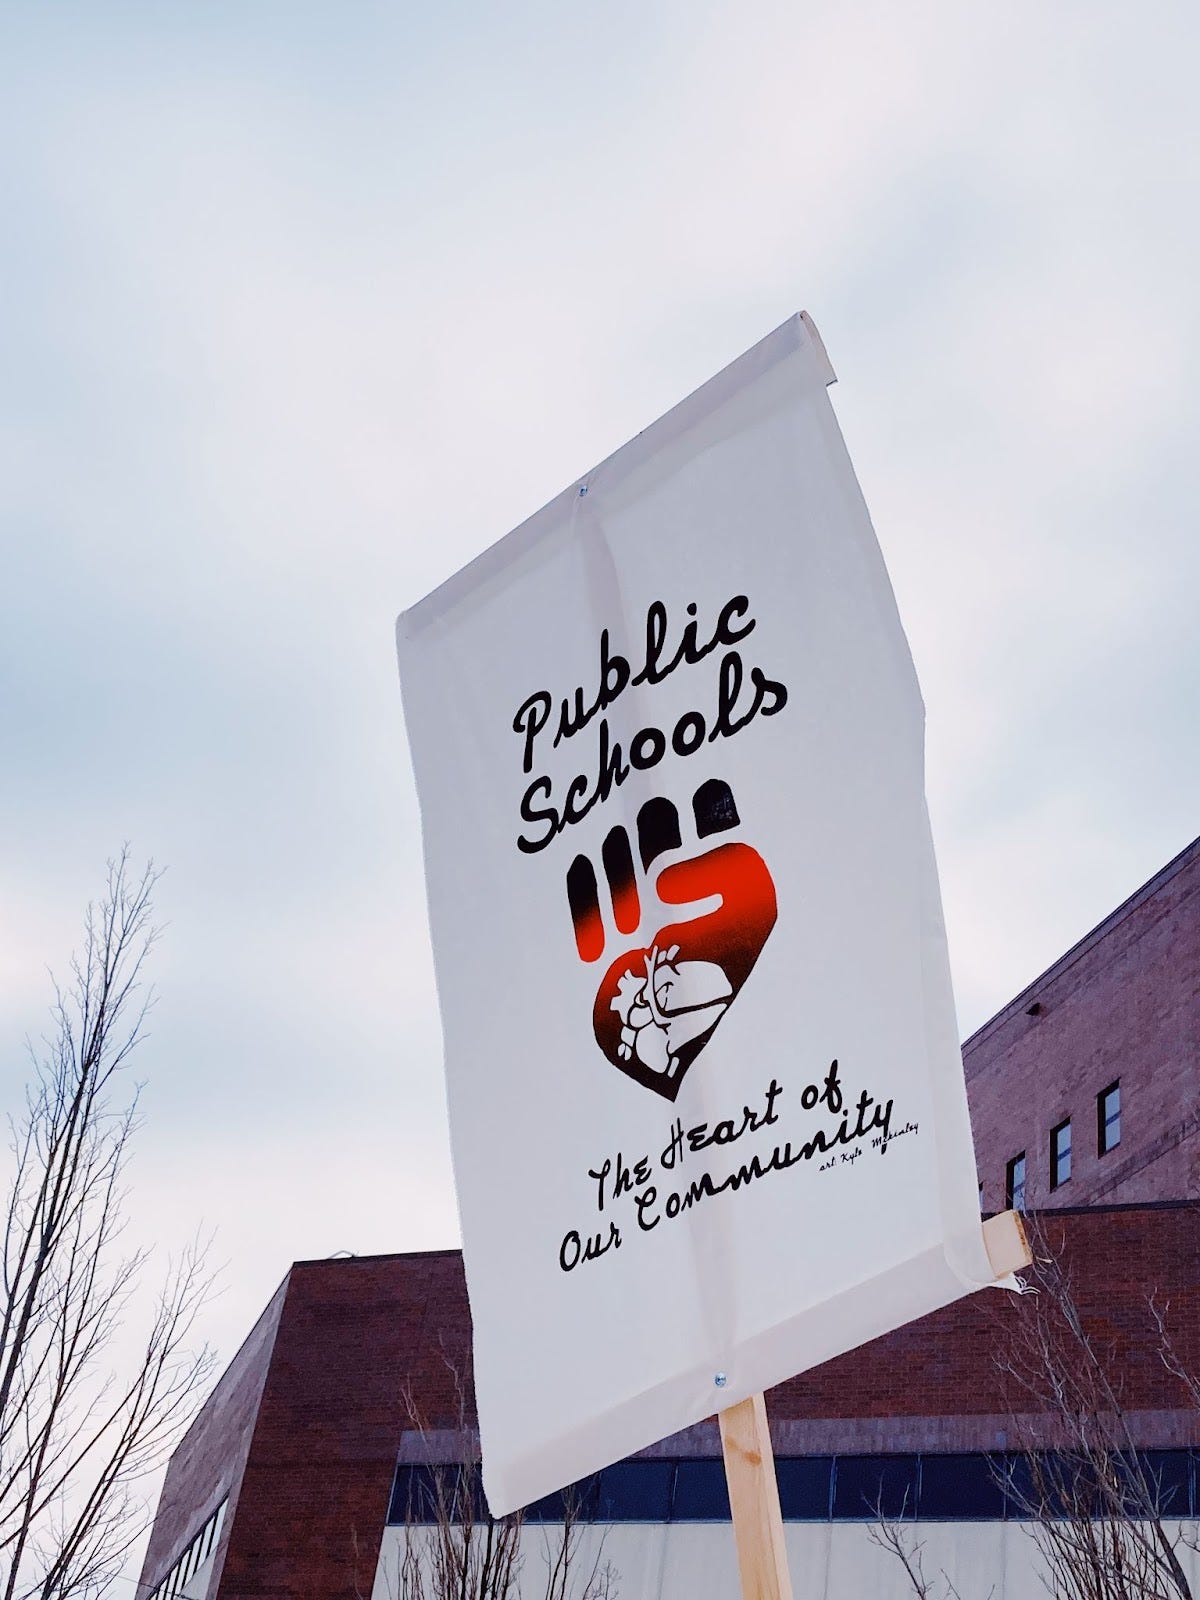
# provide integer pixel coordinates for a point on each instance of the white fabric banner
(706, 1099)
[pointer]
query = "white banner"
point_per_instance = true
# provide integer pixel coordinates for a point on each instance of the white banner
(706, 1100)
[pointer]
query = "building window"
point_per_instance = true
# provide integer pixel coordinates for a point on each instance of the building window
(1108, 1119)
(192, 1559)
(1060, 1154)
(1014, 1183)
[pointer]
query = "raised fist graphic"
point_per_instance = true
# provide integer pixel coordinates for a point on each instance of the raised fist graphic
(659, 1002)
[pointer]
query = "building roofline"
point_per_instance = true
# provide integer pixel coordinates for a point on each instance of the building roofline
(384, 1255)
(279, 1293)
(1089, 940)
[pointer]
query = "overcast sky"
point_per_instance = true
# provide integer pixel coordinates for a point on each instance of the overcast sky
(304, 305)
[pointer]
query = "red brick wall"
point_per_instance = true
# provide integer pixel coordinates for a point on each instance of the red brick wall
(1124, 1003)
(208, 1461)
(943, 1370)
(353, 1336)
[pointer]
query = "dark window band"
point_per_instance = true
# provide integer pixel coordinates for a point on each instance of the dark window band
(935, 1488)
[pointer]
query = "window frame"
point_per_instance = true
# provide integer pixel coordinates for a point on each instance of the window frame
(1059, 1157)
(1014, 1194)
(1104, 1121)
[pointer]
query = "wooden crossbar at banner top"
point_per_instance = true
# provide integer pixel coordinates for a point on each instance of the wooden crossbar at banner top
(750, 1460)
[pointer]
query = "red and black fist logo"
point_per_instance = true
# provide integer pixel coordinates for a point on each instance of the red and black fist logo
(659, 1002)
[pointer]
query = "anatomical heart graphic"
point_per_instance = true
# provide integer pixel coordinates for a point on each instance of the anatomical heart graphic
(659, 1002)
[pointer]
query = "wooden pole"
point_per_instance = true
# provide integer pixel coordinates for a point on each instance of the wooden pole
(750, 1460)
(754, 1501)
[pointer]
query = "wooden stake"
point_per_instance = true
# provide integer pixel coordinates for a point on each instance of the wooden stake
(750, 1460)
(754, 1501)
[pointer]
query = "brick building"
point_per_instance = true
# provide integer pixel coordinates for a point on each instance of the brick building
(296, 1477)
(1120, 1011)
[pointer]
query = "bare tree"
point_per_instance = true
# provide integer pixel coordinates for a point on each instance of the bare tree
(454, 1549)
(1079, 1482)
(890, 1534)
(80, 1433)
(1095, 1507)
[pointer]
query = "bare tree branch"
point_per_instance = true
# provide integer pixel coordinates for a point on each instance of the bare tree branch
(77, 1441)
(1094, 1506)
(891, 1534)
(1081, 1487)
(454, 1549)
